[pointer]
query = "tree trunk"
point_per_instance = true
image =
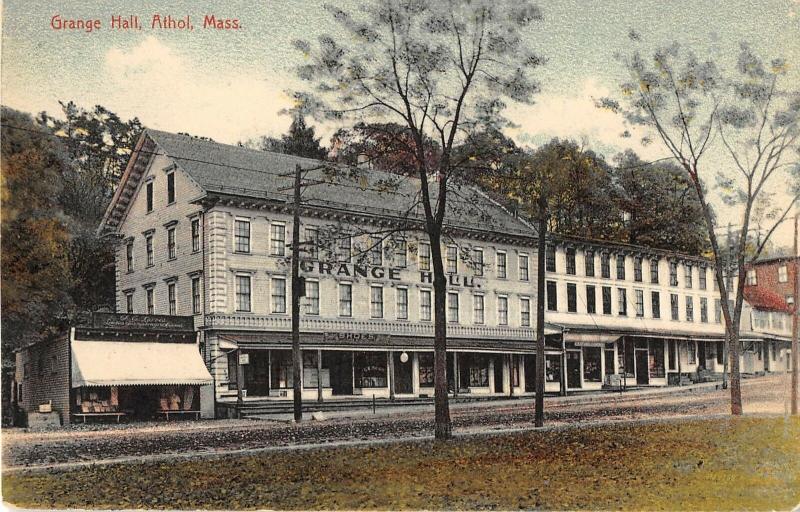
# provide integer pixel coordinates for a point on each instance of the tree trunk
(443, 429)
(735, 380)
(540, 298)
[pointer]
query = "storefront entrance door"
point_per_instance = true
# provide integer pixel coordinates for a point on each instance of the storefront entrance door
(403, 374)
(573, 369)
(256, 373)
(530, 373)
(341, 368)
(642, 367)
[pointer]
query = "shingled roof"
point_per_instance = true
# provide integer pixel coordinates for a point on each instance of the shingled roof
(222, 169)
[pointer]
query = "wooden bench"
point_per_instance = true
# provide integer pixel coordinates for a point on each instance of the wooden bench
(84, 415)
(167, 413)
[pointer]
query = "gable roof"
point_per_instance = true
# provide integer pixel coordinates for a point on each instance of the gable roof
(222, 169)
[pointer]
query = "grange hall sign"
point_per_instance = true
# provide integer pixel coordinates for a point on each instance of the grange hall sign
(355, 270)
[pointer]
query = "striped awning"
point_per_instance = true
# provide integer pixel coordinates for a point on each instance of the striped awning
(120, 363)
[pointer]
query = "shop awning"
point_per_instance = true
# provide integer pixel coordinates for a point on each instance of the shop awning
(118, 363)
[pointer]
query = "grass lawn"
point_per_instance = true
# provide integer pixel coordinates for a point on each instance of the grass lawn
(744, 463)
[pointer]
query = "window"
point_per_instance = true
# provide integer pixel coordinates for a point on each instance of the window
(525, 311)
(691, 347)
(424, 256)
(278, 295)
(149, 189)
(655, 303)
(129, 302)
(687, 273)
(608, 354)
(242, 293)
(425, 369)
(673, 306)
(312, 242)
(571, 261)
(477, 261)
(369, 369)
(148, 245)
(605, 265)
(588, 263)
(425, 305)
(523, 267)
(639, 303)
(196, 295)
(150, 301)
(129, 256)
(572, 298)
(312, 297)
(606, 300)
(402, 303)
(654, 271)
(277, 239)
(591, 364)
(376, 301)
(783, 274)
(637, 269)
(751, 277)
(702, 277)
(717, 311)
(452, 307)
(376, 251)
(241, 234)
(704, 310)
(477, 309)
(591, 299)
(170, 188)
(195, 235)
(171, 252)
(345, 299)
(552, 296)
(502, 269)
(790, 300)
(689, 309)
(173, 306)
(502, 310)
(550, 258)
(452, 259)
(622, 301)
(400, 254)
(673, 273)
(343, 249)
(620, 266)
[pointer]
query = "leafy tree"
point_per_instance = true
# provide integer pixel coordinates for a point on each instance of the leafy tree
(301, 140)
(660, 205)
(98, 145)
(35, 265)
(685, 101)
(439, 69)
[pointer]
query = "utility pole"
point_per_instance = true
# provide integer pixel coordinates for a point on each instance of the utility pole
(795, 350)
(297, 356)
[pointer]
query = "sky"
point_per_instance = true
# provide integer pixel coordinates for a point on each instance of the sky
(230, 84)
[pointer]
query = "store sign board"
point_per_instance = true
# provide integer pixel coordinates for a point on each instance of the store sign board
(244, 358)
(355, 337)
(142, 322)
(355, 270)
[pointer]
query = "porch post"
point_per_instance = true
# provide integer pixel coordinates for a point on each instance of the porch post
(319, 375)
(678, 343)
(456, 383)
(239, 382)
(510, 374)
(390, 360)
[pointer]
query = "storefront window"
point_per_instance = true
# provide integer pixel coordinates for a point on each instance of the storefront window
(656, 359)
(552, 368)
(370, 369)
(609, 355)
(478, 370)
(425, 369)
(310, 371)
(281, 369)
(591, 364)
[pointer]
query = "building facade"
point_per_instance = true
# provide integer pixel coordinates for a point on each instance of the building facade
(204, 229)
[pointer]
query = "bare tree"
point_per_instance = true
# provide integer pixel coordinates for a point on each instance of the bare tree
(687, 102)
(441, 69)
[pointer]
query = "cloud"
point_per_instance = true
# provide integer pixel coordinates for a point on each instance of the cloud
(174, 92)
(576, 117)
